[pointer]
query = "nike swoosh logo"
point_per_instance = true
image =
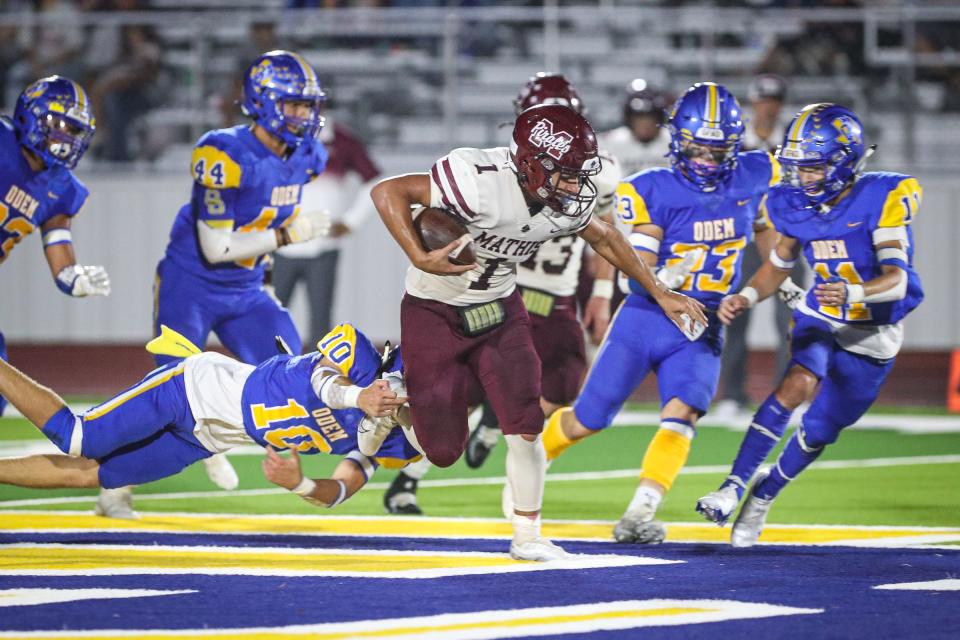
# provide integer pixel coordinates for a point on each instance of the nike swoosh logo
(740, 203)
(854, 224)
(52, 195)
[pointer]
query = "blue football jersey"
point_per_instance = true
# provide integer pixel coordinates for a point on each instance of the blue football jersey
(839, 244)
(282, 410)
(31, 198)
(718, 224)
(240, 185)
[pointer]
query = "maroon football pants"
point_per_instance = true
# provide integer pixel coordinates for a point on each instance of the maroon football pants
(447, 371)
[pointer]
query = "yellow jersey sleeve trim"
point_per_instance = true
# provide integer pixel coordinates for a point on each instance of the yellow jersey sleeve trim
(763, 216)
(214, 168)
(902, 204)
(775, 172)
(396, 463)
(219, 224)
(340, 347)
(631, 207)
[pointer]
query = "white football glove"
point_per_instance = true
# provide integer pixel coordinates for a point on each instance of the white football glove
(80, 281)
(308, 225)
(674, 275)
(790, 294)
(371, 433)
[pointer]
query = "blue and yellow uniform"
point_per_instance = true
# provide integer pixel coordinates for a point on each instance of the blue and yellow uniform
(717, 225)
(240, 185)
(187, 410)
(28, 199)
(853, 347)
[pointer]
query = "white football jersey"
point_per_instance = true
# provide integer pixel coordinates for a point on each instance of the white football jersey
(555, 268)
(632, 155)
(480, 186)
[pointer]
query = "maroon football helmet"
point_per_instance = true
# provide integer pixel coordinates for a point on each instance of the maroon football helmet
(553, 144)
(548, 88)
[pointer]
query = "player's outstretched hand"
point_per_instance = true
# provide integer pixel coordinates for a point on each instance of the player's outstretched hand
(731, 306)
(596, 318)
(80, 281)
(831, 294)
(284, 472)
(675, 305)
(379, 400)
(308, 225)
(438, 262)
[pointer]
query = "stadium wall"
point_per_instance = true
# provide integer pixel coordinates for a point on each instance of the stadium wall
(128, 217)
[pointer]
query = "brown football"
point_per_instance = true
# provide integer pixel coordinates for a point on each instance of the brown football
(438, 228)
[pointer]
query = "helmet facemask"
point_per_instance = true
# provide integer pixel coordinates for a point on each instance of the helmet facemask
(706, 165)
(64, 140)
(545, 181)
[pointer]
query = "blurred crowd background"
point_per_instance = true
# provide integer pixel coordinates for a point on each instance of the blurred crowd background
(408, 74)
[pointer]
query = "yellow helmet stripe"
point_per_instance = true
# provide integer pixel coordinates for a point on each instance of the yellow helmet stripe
(79, 95)
(793, 137)
(308, 71)
(711, 106)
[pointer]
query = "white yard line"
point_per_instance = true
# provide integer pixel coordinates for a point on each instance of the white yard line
(583, 476)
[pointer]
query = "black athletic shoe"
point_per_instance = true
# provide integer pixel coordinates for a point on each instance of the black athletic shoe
(480, 444)
(401, 496)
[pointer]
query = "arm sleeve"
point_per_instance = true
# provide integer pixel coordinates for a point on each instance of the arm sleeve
(221, 244)
(453, 187)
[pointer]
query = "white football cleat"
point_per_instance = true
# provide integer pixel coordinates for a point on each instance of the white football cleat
(116, 503)
(221, 472)
(753, 514)
(718, 506)
(638, 525)
(537, 550)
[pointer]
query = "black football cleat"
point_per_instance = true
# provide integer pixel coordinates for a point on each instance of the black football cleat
(401, 496)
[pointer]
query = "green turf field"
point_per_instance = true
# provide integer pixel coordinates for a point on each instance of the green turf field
(909, 494)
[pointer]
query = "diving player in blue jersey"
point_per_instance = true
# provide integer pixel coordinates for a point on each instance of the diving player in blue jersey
(854, 231)
(204, 403)
(247, 184)
(245, 203)
(50, 130)
(691, 222)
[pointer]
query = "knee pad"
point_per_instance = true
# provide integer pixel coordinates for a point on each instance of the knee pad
(815, 434)
(66, 431)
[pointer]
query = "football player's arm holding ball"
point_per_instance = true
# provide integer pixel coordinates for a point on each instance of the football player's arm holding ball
(611, 245)
(394, 198)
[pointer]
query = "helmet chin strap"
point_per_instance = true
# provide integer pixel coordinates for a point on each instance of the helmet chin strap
(863, 161)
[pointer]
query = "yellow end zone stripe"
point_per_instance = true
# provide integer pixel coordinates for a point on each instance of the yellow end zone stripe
(432, 527)
(79, 558)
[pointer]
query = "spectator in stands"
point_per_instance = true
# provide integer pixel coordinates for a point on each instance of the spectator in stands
(344, 190)
(261, 37)
(765, 127)
(57, 47)
(122, 92)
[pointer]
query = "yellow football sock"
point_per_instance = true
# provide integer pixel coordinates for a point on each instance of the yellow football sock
(665, 456)
(554, 440)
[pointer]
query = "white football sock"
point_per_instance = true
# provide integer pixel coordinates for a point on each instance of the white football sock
(418, 469)
(643, 496)
(526, 471)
